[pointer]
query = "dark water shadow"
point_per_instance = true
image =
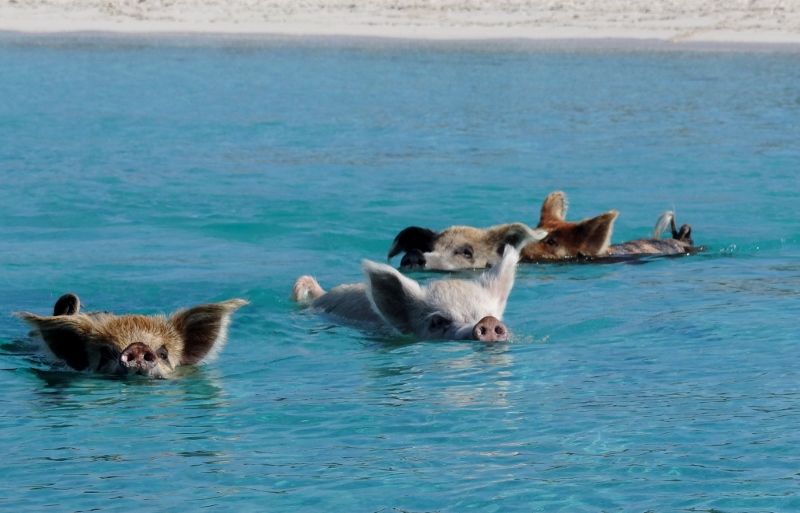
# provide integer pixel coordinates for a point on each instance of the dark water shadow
(639, 259)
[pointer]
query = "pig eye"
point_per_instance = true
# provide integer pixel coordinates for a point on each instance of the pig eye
(439, 323)
(465, 251)
(551, 242)
(163, 353)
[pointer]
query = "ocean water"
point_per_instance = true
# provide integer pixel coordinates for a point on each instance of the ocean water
(152, 175)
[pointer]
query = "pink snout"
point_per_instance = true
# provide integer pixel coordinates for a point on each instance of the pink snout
(138, 357)
(490, 329)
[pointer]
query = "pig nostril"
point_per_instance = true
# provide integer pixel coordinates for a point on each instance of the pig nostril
(489, 329)
(149, 357)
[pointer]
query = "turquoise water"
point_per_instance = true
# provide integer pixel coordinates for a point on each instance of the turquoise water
(147, 176)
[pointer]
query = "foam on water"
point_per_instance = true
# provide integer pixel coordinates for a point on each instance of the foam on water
(148, 177)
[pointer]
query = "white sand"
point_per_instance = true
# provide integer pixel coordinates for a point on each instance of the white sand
(748, 21)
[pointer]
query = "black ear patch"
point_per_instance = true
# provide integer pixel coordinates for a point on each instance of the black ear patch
(513, 239)
(514, 235)
(63, 337)
(412, 237)
(68, 304)
(69, 346)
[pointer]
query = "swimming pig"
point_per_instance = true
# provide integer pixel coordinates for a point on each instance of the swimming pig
(553, 238)
(592, 237)
(444, 309)
(133, 344)
(459, 247)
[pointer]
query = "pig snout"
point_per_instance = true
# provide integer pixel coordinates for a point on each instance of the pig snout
(414, 259)
(490, 329)
(138, 357)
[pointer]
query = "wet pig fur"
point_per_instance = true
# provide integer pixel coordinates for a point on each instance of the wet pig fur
(153, 346)
(554, 238)
(442, 309)
(591, 238)
(460, 247)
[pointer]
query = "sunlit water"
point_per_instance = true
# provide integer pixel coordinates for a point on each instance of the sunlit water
(151, 176)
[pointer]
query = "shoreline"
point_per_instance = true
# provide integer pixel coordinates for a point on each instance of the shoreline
(552, 42)
(584, 23)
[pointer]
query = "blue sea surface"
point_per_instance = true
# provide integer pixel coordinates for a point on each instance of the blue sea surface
(150, 175)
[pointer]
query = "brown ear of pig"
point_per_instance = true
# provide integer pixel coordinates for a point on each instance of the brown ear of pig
(204, 329)
(554, 207)
(596, 233)
(65, 335)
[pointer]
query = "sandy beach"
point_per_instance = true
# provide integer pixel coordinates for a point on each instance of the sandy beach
(748, 21)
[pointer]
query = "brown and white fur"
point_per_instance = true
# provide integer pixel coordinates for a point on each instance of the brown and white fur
(459, 247)
(591, 238)
(443, 309)
(132, 344)
(554, 238)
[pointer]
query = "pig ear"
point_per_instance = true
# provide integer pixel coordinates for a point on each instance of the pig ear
(68, 304)
(204, 329)
(412, 237)
(554, 207)
(517, 235)
(499, 280)
(596, 233)
(65, 335)
(391, 294)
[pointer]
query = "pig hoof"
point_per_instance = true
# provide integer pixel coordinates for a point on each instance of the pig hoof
(306, 289)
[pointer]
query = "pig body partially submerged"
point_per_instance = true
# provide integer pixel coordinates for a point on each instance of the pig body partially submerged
(443, 309)
(460, 247)
(133, 344)
(554, 238)
(591, 238)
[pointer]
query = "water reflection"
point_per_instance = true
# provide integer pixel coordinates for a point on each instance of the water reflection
(70, 390)
(172, 418)
(491, 365)
(458, 375)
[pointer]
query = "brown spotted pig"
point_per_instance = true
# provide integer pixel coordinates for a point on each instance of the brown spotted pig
(554, 238)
